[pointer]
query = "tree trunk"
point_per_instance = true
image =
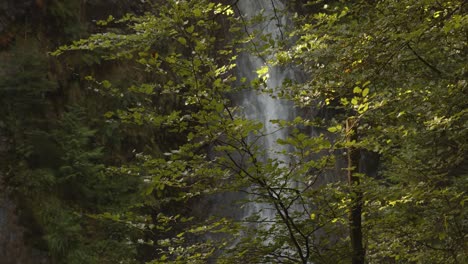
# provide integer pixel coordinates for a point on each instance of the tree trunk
(355, 214)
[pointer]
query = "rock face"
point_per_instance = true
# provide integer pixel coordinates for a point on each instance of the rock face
(12, 246)
(11, 11)
(13, 249)
(42, 24)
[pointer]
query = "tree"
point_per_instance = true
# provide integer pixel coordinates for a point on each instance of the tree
(187, 69)
(367, 64)
(57, 158)
(373, 63)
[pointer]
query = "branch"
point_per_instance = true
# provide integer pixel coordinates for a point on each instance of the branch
(424, 61)
(277, 19)
(246, 29)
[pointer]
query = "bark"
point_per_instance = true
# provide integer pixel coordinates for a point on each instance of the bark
(355, 215)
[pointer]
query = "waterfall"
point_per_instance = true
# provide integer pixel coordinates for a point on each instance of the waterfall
(262, 106)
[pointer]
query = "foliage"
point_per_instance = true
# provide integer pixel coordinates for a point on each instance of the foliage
(57, 169)
(365, 64)
(175, 46)
(62, 189)
(374, 62)
(131, 168)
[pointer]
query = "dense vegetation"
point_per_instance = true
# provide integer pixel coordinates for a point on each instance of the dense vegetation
(121, 132)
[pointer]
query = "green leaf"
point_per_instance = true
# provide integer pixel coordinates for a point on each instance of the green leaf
(365, 92)
(182, 40)
(363, 108)
(190, 29)
(335, 128)
(442, 235)
(357, 90)
(344, 101)
(262, 71)
(106, 84)
(219, 107)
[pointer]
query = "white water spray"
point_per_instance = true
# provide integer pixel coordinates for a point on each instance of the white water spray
(261, 106)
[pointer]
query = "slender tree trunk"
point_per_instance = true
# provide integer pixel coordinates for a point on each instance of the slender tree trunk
(355, 215)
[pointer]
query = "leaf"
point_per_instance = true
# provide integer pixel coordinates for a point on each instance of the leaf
(442, 235)
(108, 114)
(219, 107)
(334, 129)
(182, 40)
(190, 29)
(344, 101)
(197, 12)
(357, 90)
(365, 92)
(363, 108)
(262, 71)
(106, 84)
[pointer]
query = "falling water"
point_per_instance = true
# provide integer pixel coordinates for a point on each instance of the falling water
(261, 106)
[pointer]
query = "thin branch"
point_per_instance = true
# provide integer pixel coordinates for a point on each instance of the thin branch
(432, 67)
(244, 23)
(277, 19)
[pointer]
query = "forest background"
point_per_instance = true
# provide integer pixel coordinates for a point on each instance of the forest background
(120, 133)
